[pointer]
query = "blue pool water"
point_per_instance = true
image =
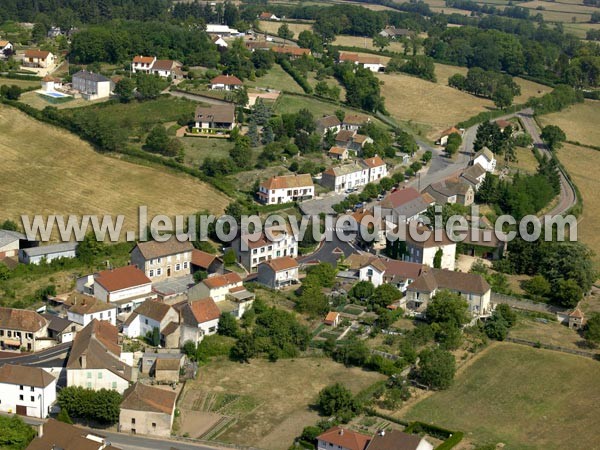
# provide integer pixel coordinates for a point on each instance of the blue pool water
(55, 94)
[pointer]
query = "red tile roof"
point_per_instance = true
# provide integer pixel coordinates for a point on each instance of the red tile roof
(288, 182)
(228, 80)
(376, 161)
(43, 54)
(205, 310)
(283, 263)
(141, 397)
(202, 259)
(218, 281)
(121, 278)
(294, 51)
(399, 197)
(21, 319)
(331, 317)
(144, 59)
(345, 438)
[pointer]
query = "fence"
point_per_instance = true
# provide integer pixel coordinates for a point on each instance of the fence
(553, 347)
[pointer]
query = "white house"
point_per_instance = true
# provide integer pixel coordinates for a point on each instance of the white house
(286, 189)
(82, 309)
(6, 48)
(474, 175)
(444, 135)
(96, 361)
(47, 253)
(167, 68)
(149, 315)
(126, 287)
(255, 248)
(49, 83)
(92, 86)
(142, 64)
(328, 123)
(216, 287)
(373, 63)
(226, 83)
(40, 59)
(425, 245)
(268, 16)
(486, 159)
(377, 168)
(27, 391)
(215, 117)
(346, 176)
(162, 260)
(61, 329)
(471, 286)
(202, 316)
(279, 272)
(220, 42)
(353, 122)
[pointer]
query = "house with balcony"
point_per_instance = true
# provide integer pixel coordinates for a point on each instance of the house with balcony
(22, 328)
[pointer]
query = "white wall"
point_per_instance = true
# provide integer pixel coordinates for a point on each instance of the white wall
(109, 315)
(206, 326)
(96, 379)
(115, 296)
(375, 277)
(140, 326)
(38, 407)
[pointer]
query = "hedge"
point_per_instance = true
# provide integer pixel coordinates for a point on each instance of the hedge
(297, 76)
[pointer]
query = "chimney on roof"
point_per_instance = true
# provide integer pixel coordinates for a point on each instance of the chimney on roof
(341, 431)
(381, 432)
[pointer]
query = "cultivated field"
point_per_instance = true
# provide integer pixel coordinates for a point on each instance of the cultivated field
(50, 171)
(562, 11)
(579, 162)
(522, 397)
(579, 122)
(279, 395)
(433, 105)
(366, 42)
(271, 27)
(277, 79)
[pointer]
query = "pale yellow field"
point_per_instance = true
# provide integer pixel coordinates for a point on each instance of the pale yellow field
(564, 6)
(362, 42)
(580, 122)
(47, 170)
(432, 104)
(271, 27)
(581, 163)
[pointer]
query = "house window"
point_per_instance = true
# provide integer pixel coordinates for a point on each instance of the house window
(151, 273)
(114, 384)
(146, 321)
(1, 332)
(21, 388)
(89, 375)
(158, 272)
(21, 397)
(99, 375)
(29, 335)
(153, 425)
(32, 398)
(159, 260)
(178, 267)
(32, 389)
(101, 315)
(133, 421)
(185, 264)
(9, 333)
(89, 384)
(212, 329)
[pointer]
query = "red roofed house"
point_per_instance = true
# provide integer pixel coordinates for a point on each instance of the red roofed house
(142, 64)
(443, 139)
(125, 287)
(339, 438)
(332, 319)
(377, 168)
(6, 49)
(373, 63)
(268, 16)
(21, 328)
(279, 272)
(217, 287)
(292, 52)
(226, 83)
(199, 318)
(339, 153)
(207, 262)
(286, 189)
(40, 59)
(147, 410)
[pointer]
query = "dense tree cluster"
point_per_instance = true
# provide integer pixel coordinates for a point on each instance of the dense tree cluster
(420, 66)
(14, 433)
(101, 405)
(337, 400)
(362, 87)
(501, 88)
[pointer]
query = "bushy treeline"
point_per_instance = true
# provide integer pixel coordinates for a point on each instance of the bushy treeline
(486, 83)
(101, 406)
(119, 41)
(516, 12)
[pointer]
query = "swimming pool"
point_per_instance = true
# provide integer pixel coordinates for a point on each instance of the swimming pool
(54, 94)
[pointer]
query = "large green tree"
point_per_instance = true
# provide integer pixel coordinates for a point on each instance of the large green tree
(436, 368)
(447, 307)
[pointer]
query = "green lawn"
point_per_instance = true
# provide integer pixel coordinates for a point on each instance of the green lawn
(523, 397)
(276, 78)
(23, 84)
(198, 149)
(135, 119)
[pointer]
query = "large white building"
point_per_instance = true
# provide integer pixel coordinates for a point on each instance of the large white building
(346, 176)
(92, 86)
(27, 391)
(377, 168)
(255, 248)
(96, 361)
(286, 189)
(486, 159)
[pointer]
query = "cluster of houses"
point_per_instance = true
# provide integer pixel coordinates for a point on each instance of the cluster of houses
(346, 439)
(164, 68)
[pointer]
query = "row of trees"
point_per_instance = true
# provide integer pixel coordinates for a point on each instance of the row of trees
(501, 88)
(100, 406)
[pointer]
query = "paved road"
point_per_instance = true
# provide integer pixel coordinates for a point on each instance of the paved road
(134, 442)
(329, 251)
(53, 357)
(568, 197)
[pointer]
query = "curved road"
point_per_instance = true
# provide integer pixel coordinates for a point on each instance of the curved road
(52, 357)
